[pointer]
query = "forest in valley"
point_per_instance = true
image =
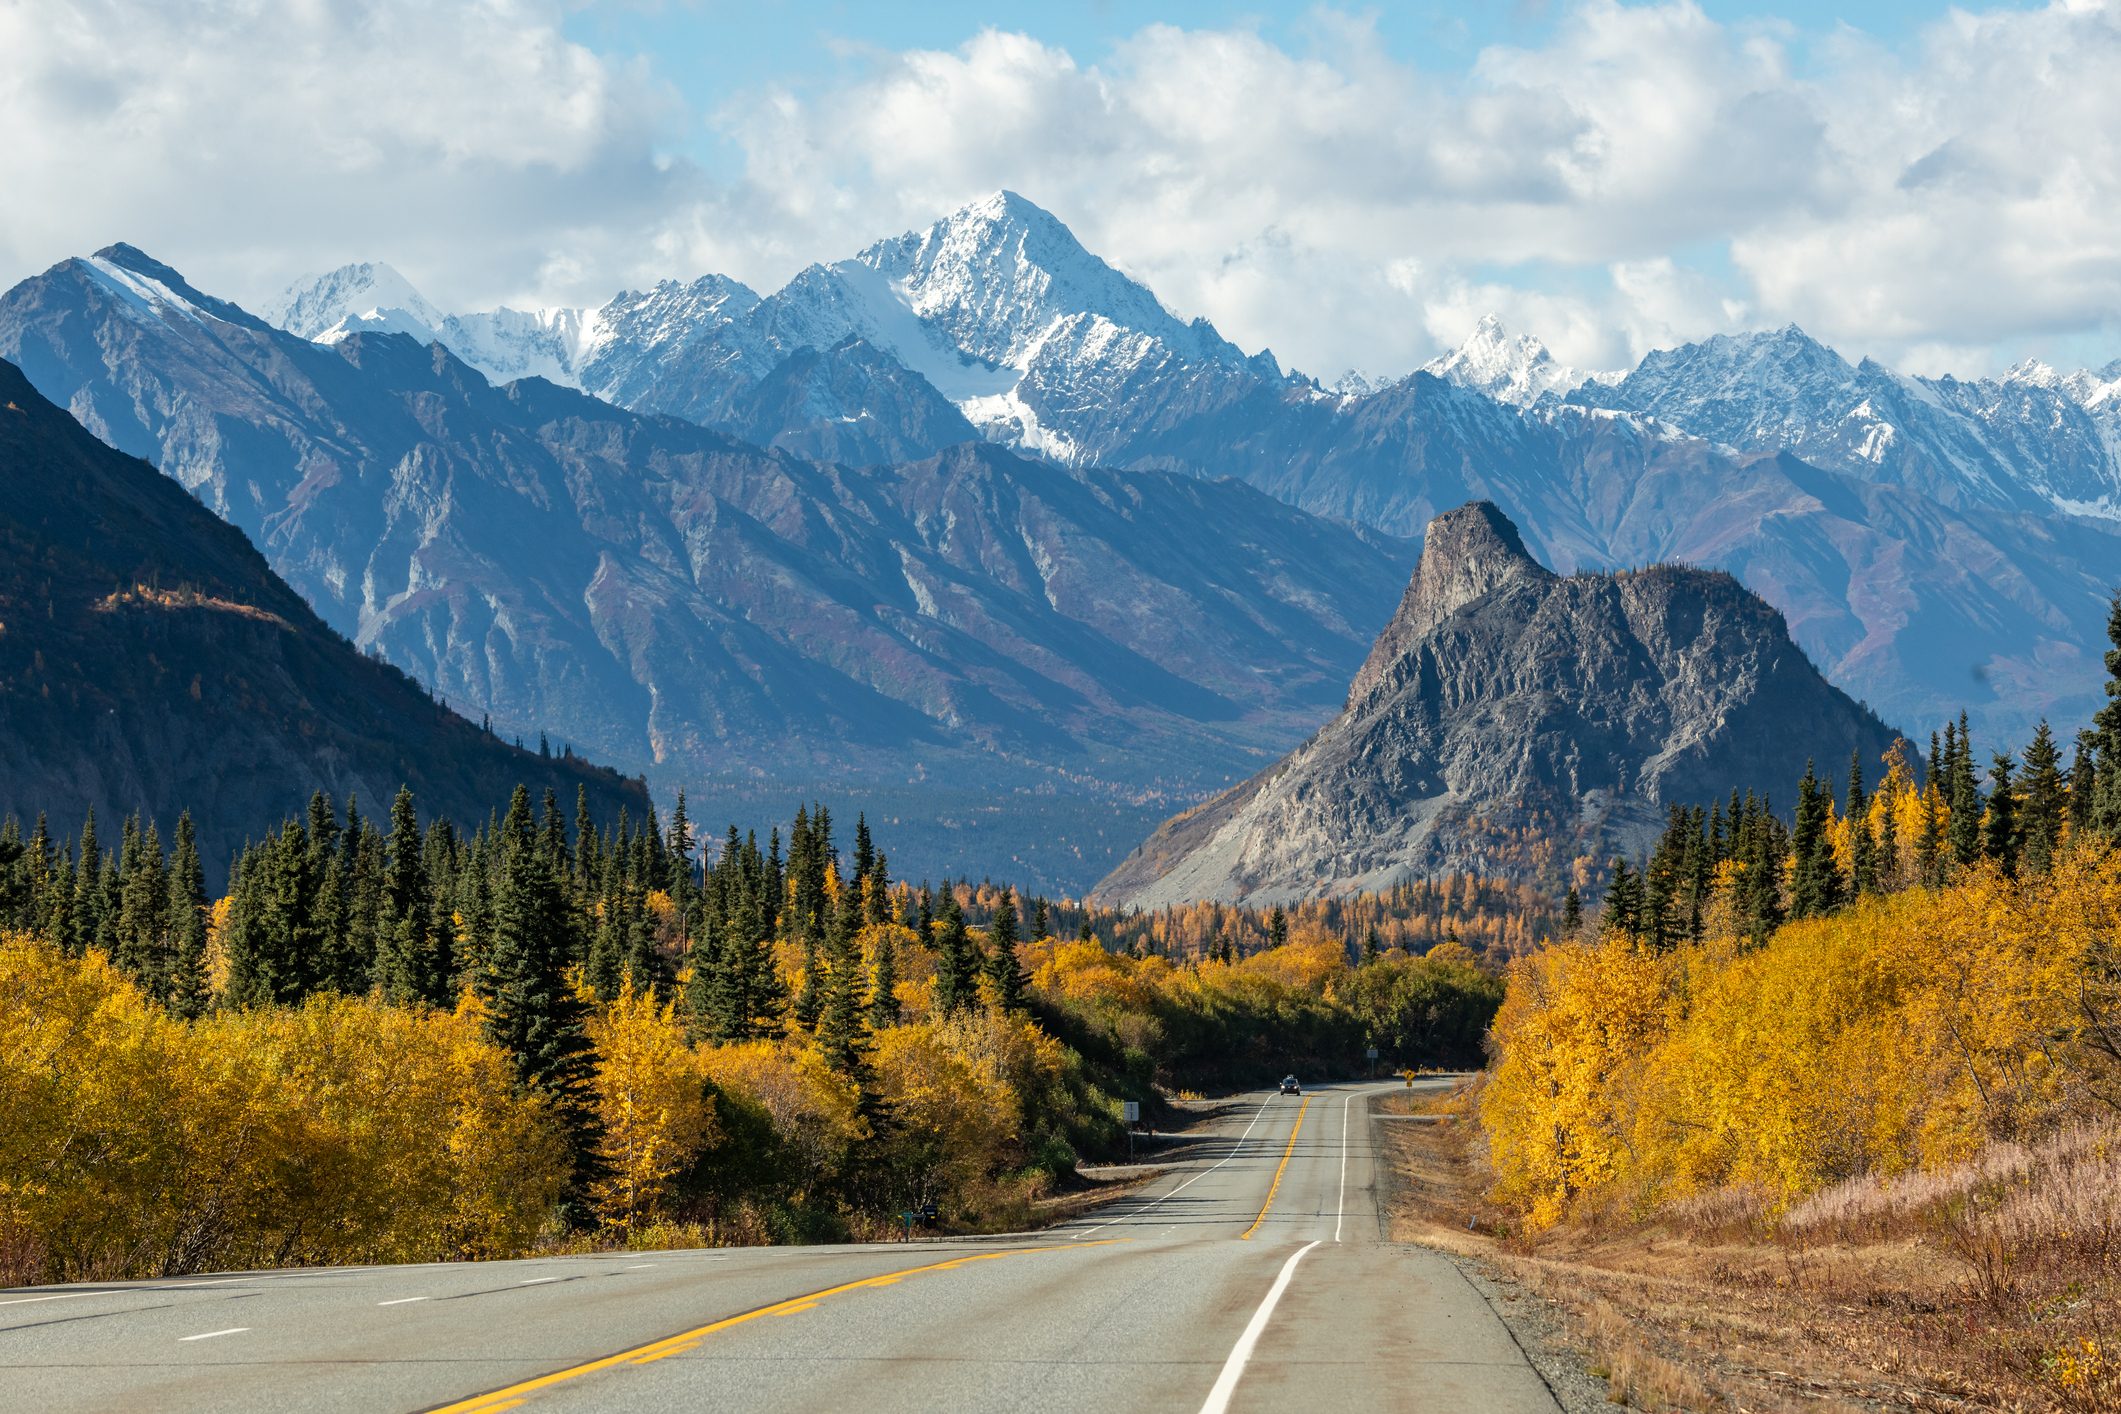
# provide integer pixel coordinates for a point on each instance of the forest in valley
(401, 1040)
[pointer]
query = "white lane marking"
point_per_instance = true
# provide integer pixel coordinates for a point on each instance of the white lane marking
(536, 1281)
(218, 1281)
(1340, 1213)
(402, 1301)
(209, 1335)
(1234, 1367)
(640, 1266)
(1188, 1183)
(63, 1296)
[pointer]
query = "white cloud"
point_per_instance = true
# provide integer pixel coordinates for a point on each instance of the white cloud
(1644, 174)
(248, 140)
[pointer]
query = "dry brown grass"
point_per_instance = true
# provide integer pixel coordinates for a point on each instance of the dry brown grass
(1996, 1287)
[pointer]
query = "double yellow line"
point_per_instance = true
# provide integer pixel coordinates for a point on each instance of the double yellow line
(515, 1394)
(1284, 1168)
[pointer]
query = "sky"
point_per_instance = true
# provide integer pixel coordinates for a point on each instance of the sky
(1352, 187)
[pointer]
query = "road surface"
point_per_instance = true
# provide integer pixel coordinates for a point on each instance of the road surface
(1250, 1276)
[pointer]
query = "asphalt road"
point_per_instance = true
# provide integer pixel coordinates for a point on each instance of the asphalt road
(1250, 1276)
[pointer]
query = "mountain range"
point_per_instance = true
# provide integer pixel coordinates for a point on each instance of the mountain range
(958, 630)
(1508, 722)
(970, 519)
(1935, 544)
(151, 662)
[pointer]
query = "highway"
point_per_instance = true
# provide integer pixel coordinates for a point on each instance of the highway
(1249, 1276)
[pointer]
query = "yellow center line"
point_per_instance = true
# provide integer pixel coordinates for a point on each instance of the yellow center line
(513, 1395)
(1284, 1168)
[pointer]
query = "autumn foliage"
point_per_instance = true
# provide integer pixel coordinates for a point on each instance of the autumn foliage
(1898, 1036)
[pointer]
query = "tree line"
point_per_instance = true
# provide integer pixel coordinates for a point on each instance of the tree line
(1739, 868)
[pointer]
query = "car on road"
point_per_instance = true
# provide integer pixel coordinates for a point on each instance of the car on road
(1289, 1086)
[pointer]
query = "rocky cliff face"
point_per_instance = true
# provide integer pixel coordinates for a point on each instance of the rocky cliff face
(151, 662)
(1509, 720)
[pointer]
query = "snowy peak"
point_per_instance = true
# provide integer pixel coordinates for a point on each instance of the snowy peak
(368, 295)
(994, 277)
(1518, 370)
(150, 290)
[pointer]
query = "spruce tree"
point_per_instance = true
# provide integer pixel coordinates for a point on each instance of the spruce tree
(534, 1014)
(2106, 787)
(142, 935)
(1571, 913)
(2046, 802)
(956, 986)
(2000, 836)
(1863, 855)
(2083, 783)
(407, 969)
(880, 890)
(1815, 880)
(1277, 926)
(1040, 923)
(188, 935)
(1965, 833)
(1623, 901)
(883, 983)
(1002, 963)
(840, 1027)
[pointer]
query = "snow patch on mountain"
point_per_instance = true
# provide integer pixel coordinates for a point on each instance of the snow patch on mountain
(1519, 371)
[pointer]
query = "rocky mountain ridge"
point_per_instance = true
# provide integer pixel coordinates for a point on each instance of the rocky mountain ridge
(1510, 722)
(1074, 650)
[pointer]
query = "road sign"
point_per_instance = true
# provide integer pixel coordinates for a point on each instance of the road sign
(1371, 1053)
(1130, 1111)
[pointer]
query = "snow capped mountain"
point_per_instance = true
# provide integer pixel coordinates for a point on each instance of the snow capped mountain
(1519, 371)
(369, 295)
(372, 298)
(2027, 442)
(994, 307)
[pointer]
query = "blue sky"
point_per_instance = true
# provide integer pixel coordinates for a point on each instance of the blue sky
(714, 51)
(1352, 186)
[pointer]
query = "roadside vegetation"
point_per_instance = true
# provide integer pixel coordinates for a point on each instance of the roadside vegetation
(406, 1043)
(1845, 1098)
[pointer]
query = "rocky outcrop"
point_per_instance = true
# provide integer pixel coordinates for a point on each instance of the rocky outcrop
(1509, 721)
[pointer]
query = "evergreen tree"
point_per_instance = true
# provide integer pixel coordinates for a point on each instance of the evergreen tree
(1041, 924)
(880, 890)
(1965, 795)
(1571, 913)
(841, 1032)
(2000, 838)
(2046, 801)
(1760, 891)
(86, 914)
(1277, 927)
(2106, 786)
(883, 987)
(1003, 964)
(408, 968)
(187, 909)
(534, 1014)
(1371, 951)
(1863, 853)
(1815, 882)
(144, 952)
(2083, 783)
(955, 982)
(1623, 901)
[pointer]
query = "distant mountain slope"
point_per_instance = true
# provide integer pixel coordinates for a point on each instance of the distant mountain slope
(677, 601)
(150, 661)
(1508, 720)
(2021, 444)
(1956, 549)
